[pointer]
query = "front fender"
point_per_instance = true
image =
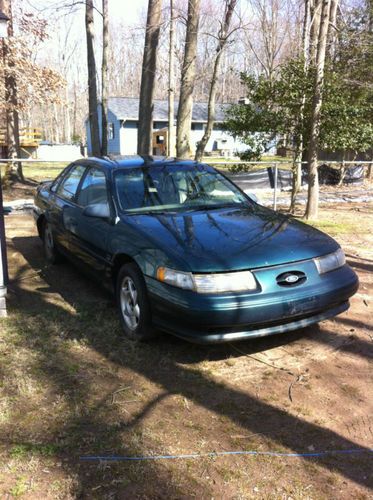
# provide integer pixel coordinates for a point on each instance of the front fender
(125, 240)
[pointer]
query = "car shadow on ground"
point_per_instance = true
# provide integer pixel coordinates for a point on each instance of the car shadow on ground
(82, 312)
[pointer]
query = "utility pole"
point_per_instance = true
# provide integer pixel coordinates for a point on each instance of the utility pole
(3, 258)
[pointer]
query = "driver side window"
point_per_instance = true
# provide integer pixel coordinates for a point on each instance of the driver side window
(93, 190)
(68, 187)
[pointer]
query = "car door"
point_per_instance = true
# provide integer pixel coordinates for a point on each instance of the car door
(61, 201)
(89, 235)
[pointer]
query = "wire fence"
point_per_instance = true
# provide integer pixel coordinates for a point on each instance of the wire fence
(271, 181)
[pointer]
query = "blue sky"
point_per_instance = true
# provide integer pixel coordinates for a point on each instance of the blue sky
(127, 11)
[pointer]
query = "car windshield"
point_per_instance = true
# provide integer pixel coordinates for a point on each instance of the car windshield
(174, 187)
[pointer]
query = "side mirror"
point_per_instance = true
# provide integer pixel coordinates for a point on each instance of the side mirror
(99, 210)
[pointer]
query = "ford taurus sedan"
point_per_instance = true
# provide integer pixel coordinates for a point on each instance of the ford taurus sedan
(187, 252)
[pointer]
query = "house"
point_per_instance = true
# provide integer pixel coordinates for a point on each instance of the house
(123, 122)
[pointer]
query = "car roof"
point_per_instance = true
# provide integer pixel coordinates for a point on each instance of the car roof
(113, 162)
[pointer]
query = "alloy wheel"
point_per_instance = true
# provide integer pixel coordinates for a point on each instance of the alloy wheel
(129, 305)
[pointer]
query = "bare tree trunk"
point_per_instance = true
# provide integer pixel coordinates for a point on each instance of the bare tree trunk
(297, 164)
(171, 85)
(56, 122)
(314, 29)
(313, 178)
(92, 80)
(332, 33)
(67, 117)
(149, 66)
(222, 37)
(75, 113)
(188, 75)
(104, 78)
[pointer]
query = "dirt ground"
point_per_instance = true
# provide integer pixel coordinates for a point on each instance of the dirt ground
(72, 387)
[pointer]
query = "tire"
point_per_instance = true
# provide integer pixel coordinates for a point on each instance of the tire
(133, 303)
(52, 255)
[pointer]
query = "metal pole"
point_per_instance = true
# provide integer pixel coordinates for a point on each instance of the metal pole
(3, 257)
(275, 188)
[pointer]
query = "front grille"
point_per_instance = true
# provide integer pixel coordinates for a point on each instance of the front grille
(291, 278)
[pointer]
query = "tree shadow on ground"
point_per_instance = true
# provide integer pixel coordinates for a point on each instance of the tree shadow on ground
(363, 266)
(169, 363)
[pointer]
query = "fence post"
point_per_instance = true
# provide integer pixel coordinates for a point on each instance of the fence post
(275, 188)
(3, 258)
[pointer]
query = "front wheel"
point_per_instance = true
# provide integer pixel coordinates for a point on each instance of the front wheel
(51, 253)
(133, 303)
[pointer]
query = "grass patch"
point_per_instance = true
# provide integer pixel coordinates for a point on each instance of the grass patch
(20, 488)
(39, 171)
(232, 165)
(336, 228)
(24, 450)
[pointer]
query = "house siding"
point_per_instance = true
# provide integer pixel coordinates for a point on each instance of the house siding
(124, 141)
(128, 138)
(113, 144)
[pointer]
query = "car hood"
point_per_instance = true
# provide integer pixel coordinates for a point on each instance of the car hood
(230, 239)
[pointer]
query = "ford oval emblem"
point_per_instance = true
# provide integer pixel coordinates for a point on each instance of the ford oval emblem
(292, 278)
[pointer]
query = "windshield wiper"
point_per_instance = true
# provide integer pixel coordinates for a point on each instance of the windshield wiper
(215, 207)
(152, 212)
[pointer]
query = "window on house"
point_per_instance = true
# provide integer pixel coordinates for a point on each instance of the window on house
(160, 139)
(110, 131)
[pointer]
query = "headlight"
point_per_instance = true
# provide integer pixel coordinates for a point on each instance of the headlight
(175, 278)
(239, 281)
(225, 282)
(330, 262)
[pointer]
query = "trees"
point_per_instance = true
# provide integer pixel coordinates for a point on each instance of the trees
(270, 40)
(92, 80)
(11, 99)
(283, 106)
(317, 102)
(27, 84)
(223, 36)
(188, 74)
(149, 66)
(273, 108)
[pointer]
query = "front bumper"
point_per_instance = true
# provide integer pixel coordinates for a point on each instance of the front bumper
(273, 309)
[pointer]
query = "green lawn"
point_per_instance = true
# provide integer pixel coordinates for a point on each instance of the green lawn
(39, 171)
(230, 164)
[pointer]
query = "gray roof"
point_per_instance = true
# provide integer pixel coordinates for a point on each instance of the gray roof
(127, 108)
